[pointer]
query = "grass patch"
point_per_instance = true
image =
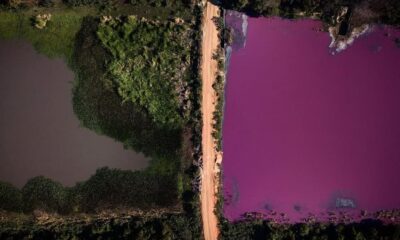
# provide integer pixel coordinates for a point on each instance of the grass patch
(56, 40)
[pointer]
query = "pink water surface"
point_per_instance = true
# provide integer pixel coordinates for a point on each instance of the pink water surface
(303, 127)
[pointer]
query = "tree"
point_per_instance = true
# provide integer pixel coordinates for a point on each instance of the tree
(46, 3)
(13, 3)
(43, 193)
(241, 4)
(10, 197)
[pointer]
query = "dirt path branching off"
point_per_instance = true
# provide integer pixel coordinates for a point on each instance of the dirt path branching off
(209, 173)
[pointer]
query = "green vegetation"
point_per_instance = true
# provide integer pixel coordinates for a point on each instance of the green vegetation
(365, 11)
(10, 197)
(98, 103)
(163, 227)
(88, 2)
(40, 21)
(219, 82)
(149, 62)
(43, 193)
(15, 4)
(100, 108)
(106, 189)
(153, 3)
(57, 39)
(125, 106)
(219, 87)
(151, 9)
(138, 82)
(259, 229)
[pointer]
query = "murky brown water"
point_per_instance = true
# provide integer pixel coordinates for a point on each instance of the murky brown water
(39, 133)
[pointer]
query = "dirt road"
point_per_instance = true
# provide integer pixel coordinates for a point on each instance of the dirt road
(209, 171)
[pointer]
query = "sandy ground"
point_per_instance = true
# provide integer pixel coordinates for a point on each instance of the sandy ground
(210, 168)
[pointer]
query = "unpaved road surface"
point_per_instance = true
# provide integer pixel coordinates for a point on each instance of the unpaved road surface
(209, 171)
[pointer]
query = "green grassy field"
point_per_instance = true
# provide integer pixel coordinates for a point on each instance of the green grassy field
(56, 40)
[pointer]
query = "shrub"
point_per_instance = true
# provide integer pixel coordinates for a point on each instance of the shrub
(83, 2)
(148, 64)
(44, 193)
(20, 3)
(99, 106)
(262, 229)
(10, 197)
(163, 227)
(40, 21)
(106, 189)
(388, 10)
(46, 3)
(118, 188)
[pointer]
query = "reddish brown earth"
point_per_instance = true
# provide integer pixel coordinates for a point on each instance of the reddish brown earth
(209, 170)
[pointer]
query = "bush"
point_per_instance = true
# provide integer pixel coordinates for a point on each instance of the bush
(86, 2)
(262, 229)
(10, 197)
(46, 3)
(165, 3)
(99, 107)
(117, 188)
(106, 189)
(162, 227)
(24, 3)
(387, 10)
(55, 40)
(148, 66)
(45, 194)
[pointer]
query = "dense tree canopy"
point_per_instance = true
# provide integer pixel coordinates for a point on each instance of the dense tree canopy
(258, 229)
(106, 189)
(148, 64)
(387, 11)
(164, 227)
(99, 106)
(111, 187)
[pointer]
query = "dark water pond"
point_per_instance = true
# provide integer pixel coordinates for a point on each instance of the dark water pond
(39, 133)
(305, 131)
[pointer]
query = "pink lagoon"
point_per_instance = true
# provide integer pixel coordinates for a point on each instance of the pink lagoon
(306, 131)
